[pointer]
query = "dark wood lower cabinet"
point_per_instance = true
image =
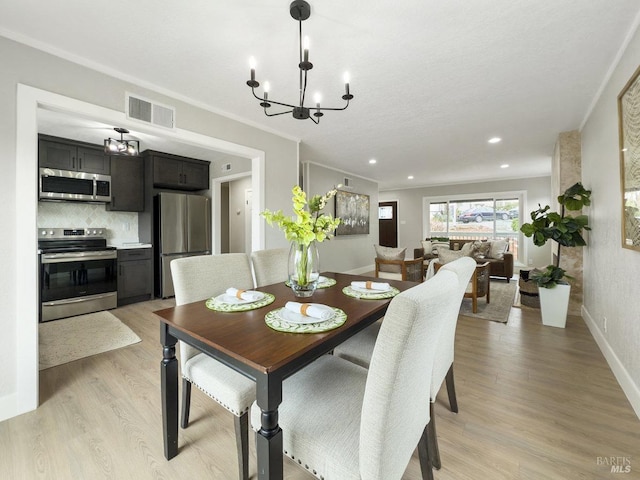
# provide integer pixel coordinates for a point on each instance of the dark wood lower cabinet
(135, 275)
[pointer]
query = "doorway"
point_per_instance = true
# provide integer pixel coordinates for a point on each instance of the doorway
(388, 224)
(29, 101)
(235, 221)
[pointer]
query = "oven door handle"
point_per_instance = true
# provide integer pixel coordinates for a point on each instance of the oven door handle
(78, 300)
(85, 256)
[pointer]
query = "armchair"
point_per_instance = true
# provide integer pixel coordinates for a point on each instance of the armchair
(479, 285)
(411, 270)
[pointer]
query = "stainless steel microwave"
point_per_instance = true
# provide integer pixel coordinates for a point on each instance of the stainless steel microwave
(78, 186)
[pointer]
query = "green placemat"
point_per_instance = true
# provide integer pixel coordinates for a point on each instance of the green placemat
(350, 292)
(213, 304)
(273, 320)
(330, 282)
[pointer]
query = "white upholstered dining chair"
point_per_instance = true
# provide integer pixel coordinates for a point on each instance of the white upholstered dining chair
(359, 349)
(270, 266)
(198, 278)
(342, 421)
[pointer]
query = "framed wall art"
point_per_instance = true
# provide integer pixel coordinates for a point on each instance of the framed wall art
(353, 210)
(629, 132)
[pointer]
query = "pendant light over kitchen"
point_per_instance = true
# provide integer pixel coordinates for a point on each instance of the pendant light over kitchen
(113, 146)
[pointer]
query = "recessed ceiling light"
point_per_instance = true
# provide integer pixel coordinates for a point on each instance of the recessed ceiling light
(410, 177)
(372, 161)
(495, 140)
(504, 165)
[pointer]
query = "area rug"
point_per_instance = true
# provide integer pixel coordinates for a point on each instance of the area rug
(503, 296)
(68, 339)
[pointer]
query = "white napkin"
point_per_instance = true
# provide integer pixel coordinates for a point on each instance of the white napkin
(315, 310)
(248, 295)
(379, 286)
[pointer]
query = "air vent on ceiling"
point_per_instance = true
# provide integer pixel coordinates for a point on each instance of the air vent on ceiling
(347, 183)
(226, 167)
(147, 111)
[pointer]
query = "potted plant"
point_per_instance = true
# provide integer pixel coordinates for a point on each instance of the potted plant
(566, 230)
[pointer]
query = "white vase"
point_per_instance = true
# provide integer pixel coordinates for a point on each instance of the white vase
(304, 268)
(554, 304)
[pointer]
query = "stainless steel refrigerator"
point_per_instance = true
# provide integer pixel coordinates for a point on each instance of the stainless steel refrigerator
(182, 229)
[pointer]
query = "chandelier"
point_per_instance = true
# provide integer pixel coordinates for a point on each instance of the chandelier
(113, 146)
(300, 11)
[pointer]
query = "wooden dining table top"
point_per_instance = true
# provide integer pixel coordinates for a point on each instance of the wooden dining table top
(245, 337)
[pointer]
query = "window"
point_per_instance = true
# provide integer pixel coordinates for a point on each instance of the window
(477, 217)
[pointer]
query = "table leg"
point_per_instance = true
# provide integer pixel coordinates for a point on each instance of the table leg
(269, 437)
(169, 380)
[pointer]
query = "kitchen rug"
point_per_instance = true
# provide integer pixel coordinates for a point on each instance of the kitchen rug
(68, 339)
(503, 296)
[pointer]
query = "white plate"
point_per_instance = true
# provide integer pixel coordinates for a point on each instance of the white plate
(294, 317)
(368, 290)
(232, 300)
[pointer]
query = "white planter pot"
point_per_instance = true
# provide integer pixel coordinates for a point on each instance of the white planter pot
(554, 304)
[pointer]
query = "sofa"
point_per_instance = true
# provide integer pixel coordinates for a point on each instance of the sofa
(500, 266)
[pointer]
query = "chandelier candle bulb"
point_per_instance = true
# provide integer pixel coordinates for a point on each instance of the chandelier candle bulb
(306, 49)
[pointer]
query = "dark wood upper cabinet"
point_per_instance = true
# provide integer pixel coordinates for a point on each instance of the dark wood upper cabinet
(64, 154)
(179, 173)
(127, 184)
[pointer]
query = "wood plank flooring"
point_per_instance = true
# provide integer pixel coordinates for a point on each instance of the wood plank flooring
(535, 403)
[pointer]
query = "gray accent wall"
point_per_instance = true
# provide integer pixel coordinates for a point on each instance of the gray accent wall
(347, 253)
(611, 288)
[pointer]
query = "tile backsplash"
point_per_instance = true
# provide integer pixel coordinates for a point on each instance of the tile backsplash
(121, 226)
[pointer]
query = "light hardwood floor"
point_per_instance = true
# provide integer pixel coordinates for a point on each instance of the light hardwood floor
(535, 403)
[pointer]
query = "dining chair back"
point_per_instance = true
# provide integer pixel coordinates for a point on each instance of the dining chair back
(198, 278)
(270, 266)
(359, 348)
(341, 421)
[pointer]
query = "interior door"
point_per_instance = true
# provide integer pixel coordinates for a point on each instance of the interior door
(388, 223)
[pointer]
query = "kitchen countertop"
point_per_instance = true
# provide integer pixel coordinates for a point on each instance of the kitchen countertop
(130, 245)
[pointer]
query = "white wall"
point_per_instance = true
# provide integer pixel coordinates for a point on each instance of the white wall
(237, 215)
(347, 253)
(410, 230)
(27, 66)
(611, 287)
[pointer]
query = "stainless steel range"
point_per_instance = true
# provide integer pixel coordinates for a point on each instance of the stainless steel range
(78, 272)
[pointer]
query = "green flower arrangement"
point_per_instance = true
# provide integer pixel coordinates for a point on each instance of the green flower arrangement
(309, 224)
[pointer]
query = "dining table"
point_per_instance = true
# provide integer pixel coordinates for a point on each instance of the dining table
(243, 341)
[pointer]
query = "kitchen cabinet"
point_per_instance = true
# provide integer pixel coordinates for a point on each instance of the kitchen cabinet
(127, 184)
(135, 278)
(180, 173)
(64, 154)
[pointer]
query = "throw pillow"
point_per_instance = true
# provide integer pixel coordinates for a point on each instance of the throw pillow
(446, 255)
(438, 244)
(481, 249)
(468, 249)
(427, 246)
(498, 249)
(389, 253)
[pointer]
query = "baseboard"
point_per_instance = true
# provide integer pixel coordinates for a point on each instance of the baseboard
(629, 387)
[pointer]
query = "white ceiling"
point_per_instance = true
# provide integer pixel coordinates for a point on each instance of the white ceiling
(433, 80)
